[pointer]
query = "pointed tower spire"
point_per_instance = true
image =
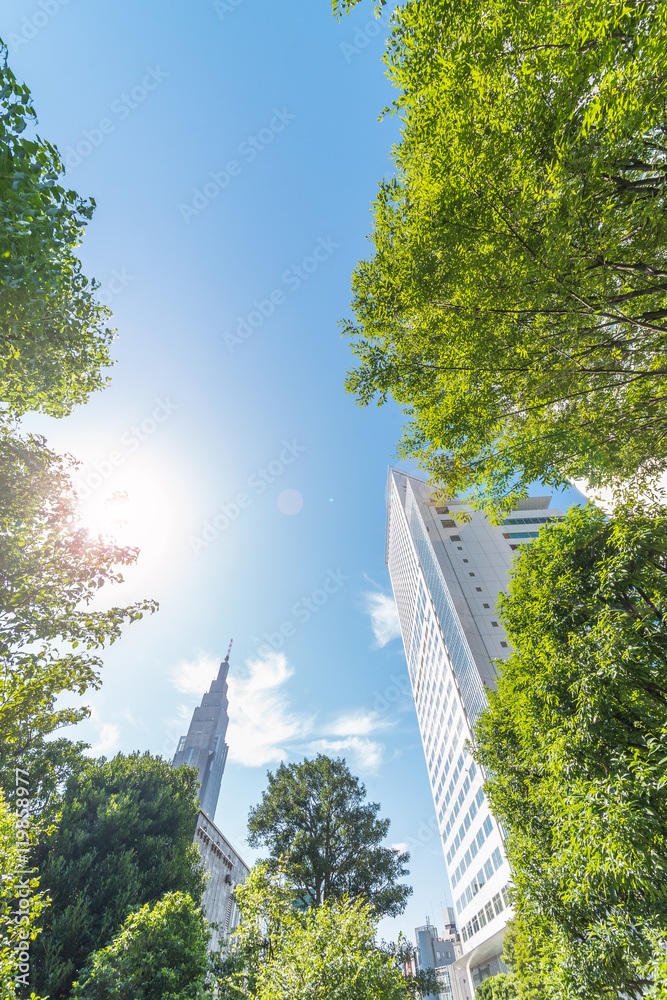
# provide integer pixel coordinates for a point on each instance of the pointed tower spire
(231, 641)
(204, 746)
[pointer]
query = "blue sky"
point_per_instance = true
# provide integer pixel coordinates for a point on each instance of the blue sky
(233, 149)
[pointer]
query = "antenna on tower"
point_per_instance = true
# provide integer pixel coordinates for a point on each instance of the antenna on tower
(229, 650)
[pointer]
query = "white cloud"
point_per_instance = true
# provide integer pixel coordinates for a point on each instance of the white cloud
(384, 616)
(195, 677)
(262, 729)
(107, 740)
(358, 723)
(400, 846)
(263, 726)
(367, 755)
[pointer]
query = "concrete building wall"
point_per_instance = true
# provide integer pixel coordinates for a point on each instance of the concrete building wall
(226, 869)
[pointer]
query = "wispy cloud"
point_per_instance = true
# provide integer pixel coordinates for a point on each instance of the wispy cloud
(359, 722)
(107, 740)
(195, 676)
(262, 727)
(384, 616)
(363, 754)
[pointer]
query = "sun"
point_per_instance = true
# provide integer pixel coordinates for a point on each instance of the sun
(135, 509)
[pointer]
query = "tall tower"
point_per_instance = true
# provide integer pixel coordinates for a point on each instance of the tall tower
(446, 579)
(204, 746)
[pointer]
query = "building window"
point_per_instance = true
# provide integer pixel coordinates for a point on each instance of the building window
(455, 538)
(449, 523)
(478, 589)
(471, 574)
(460, 548)
(504, 645)
(442, 510)
(486, 605)
(489, 912)
(495, 624)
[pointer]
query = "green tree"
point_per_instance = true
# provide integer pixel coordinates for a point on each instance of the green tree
(574, 742)
(516, 300)
(21, 904)
(314, 820)
(53, 333)
(124, 838)
(501, 987)
(159, 954)
(283, 950)
(50, 570)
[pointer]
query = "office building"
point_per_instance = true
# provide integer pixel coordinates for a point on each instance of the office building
(204, 747)
(446, 577)
(439, 954)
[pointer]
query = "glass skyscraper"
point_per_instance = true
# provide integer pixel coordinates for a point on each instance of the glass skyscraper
(446, 578)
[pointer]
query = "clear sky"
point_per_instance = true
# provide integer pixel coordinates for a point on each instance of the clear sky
(233, 149)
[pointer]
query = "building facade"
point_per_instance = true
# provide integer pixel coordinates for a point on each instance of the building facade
(226, 869)
(446, 577)
(204, 747)
(439, 954)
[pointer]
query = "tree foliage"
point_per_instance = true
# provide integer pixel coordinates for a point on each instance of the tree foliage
(124, 838)
(575, 743)
(54, 340)
(314, 820)
(516, 300)
(19, 921)
(159, 954)
(283, 950)
(50, 570)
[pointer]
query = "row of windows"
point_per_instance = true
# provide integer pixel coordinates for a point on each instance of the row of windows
(531, 520)
(521, 534)
(492, 909)
(457, 771)
(480, 879)
(471, 853)
(479, 798)
(460, 798)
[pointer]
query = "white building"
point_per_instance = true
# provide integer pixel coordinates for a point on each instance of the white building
(446, 579)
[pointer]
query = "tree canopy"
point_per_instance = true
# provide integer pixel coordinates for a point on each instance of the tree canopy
(50, 570)
(283, 951)
(159, 954)
(53, 332)
(516, 300)
(313, 818)
(124, 838)
(574, 742)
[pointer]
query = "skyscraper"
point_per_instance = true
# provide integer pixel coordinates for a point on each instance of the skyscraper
(204, 746)
(446, 577)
